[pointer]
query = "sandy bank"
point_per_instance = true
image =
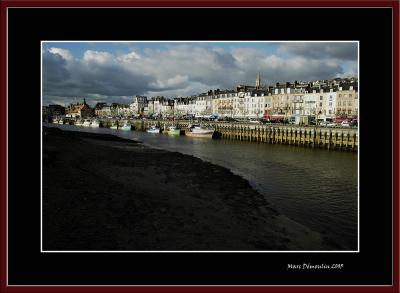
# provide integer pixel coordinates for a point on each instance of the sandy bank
(101, 192)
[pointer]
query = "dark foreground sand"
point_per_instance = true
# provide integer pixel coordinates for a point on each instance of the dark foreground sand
(101, 192)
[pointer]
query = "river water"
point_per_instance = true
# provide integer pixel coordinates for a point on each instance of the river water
(314, 187)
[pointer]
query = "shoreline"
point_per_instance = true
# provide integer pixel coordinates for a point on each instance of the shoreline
(103, 192)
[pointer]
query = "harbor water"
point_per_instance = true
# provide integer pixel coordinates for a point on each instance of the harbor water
(315, 187)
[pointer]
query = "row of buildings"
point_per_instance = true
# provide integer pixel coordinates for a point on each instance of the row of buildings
(322, 98)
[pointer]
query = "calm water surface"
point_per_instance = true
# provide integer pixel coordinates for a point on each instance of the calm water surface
(317, 188)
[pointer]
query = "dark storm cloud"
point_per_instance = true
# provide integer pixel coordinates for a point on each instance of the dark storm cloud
(55, 67)
(71, 78)
(343, 51)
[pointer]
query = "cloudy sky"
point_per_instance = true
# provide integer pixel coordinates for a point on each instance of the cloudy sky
(114, 72)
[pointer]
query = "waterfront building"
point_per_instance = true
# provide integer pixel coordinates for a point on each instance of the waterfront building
(124, 111)
(184, 106)
(281, 103)
(254, 104)
(160, 106)
(204, 104)
(297, 107)
(330, 103)
(310, 100)
(138, 105)
(347, 101)
(167, 108)
(102, 110)
(223, 105)
(321, 99)
(79, 110)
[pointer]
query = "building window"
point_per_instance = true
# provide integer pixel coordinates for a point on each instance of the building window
(320, 98)
(320, 104)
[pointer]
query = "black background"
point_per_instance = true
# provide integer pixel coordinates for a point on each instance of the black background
(27, 27)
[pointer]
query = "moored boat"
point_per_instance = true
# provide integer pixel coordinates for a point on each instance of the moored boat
(126, 126)
(78, 123)
(114, 126)
(95, 123)
(153, 129)
(198, 131)
(172, 130)
(86, 123)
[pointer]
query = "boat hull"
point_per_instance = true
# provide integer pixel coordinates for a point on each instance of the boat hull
(174, 132)
(153, 130)
(126, 127)
(204, 134)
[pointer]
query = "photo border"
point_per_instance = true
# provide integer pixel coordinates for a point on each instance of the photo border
(175, 4)
(196, 251)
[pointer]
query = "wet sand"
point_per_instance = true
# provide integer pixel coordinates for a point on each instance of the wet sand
(101, 192)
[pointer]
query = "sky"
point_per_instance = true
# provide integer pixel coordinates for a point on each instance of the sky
(117, 71)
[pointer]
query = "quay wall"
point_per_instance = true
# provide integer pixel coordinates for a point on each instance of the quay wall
(302, 136)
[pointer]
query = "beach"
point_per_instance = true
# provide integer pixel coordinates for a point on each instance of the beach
(102, 192)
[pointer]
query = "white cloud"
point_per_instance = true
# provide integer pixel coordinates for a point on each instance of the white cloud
(97, 57)
(63, 52)
(130, 57)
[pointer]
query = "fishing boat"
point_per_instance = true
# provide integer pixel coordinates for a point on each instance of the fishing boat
(95, 123)
(78, 123)
(198, 131)
(60, 121)
(153, 129)
(126, 126)
(114, 126)
(172, 130)
(86, 123)
(55, 121)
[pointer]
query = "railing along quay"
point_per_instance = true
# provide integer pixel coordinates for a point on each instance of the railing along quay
(305, 136)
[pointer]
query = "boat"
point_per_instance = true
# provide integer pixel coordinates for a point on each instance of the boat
(198, 131)
(78, 123)
(60, 121)
(126, 126)
(55, 121)
(86, 123)
(172, 130)
(95, 123)
(153, 129)
(114, 126)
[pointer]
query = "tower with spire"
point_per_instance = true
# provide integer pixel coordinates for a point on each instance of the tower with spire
(258, 81)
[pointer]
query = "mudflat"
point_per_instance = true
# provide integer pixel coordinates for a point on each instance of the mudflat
(101, 192)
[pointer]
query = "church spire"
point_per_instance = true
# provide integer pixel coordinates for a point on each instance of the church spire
(258, 81)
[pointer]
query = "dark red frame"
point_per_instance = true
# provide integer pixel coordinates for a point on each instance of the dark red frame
(197, 3)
